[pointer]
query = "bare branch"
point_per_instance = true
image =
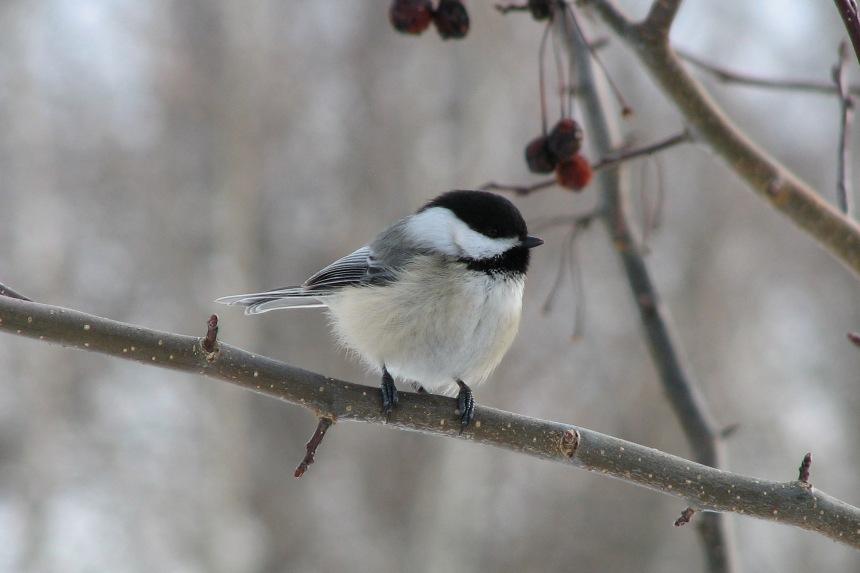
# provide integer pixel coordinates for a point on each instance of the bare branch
(661, 16)
(625, 155)
(848, 11)
(781, 188)
(732, 76)
(505, 8)
(844, 194)
(701, 486)
(687, 402)
(6, 291)
(312, 445)
(518, 189)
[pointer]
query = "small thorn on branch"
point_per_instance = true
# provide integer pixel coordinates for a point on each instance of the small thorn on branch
(854, 337)
(312, 446)
(803, 471)
(685, 517)
(211, 334)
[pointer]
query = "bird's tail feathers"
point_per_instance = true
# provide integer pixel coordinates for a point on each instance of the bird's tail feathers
(260, 302)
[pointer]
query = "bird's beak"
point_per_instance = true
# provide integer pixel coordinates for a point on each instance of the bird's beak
(532, 242)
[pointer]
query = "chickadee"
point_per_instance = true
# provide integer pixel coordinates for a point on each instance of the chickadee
(435, 299)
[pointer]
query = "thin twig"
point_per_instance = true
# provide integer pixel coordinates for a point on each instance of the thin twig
(685, 517)
(6, 291)
(505, 8)
(703, 487)
(844, 194)
(312, 445)
(627, 155)
(542, 81)
(518, 189)
(803, 471)
(741, 78)
(626, 110)
(848, 11)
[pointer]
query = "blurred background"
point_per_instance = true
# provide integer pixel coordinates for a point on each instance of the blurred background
(156, 155)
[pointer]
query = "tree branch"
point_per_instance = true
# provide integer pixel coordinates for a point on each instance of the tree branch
(702, 487)
(781, 188)
(661, 16)
(844, 194)
(848, 11)
(687, 402)
(731, 76)
(613, 159)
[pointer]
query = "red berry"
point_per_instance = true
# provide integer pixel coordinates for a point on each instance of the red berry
(451, 19)
(565, 139)
(538, 156)
(574, 173)
(540, 9)
(410, 16)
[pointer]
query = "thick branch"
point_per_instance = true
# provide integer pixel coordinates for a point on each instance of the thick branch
(701, 486)
(781, 188)
(687, 402)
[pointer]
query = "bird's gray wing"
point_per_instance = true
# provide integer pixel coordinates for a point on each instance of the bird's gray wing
(362, 267)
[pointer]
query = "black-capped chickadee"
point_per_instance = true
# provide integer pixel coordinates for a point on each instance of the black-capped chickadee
(435, 299)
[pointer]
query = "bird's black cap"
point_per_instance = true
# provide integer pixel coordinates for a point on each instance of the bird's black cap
(487, 213)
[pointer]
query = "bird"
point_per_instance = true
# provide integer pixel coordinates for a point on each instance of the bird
(434, 300)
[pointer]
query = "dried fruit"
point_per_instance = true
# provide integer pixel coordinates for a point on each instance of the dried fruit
(540, 9)
(451, 19)
(410, 16)
(538, 156)
(573, 173)
(565, 139)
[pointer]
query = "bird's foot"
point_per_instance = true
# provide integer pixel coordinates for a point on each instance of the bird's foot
(389, 394)
(465, 405)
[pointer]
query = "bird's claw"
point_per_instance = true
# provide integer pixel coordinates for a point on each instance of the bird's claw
(389, 395)
(465, 405)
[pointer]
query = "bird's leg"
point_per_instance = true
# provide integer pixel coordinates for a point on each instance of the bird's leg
(465, 405)
(389, 393)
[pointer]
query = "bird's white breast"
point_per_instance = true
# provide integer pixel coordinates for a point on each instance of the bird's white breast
(436, 324)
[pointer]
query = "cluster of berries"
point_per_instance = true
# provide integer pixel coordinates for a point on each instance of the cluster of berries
(559, 151)
(414, 16)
